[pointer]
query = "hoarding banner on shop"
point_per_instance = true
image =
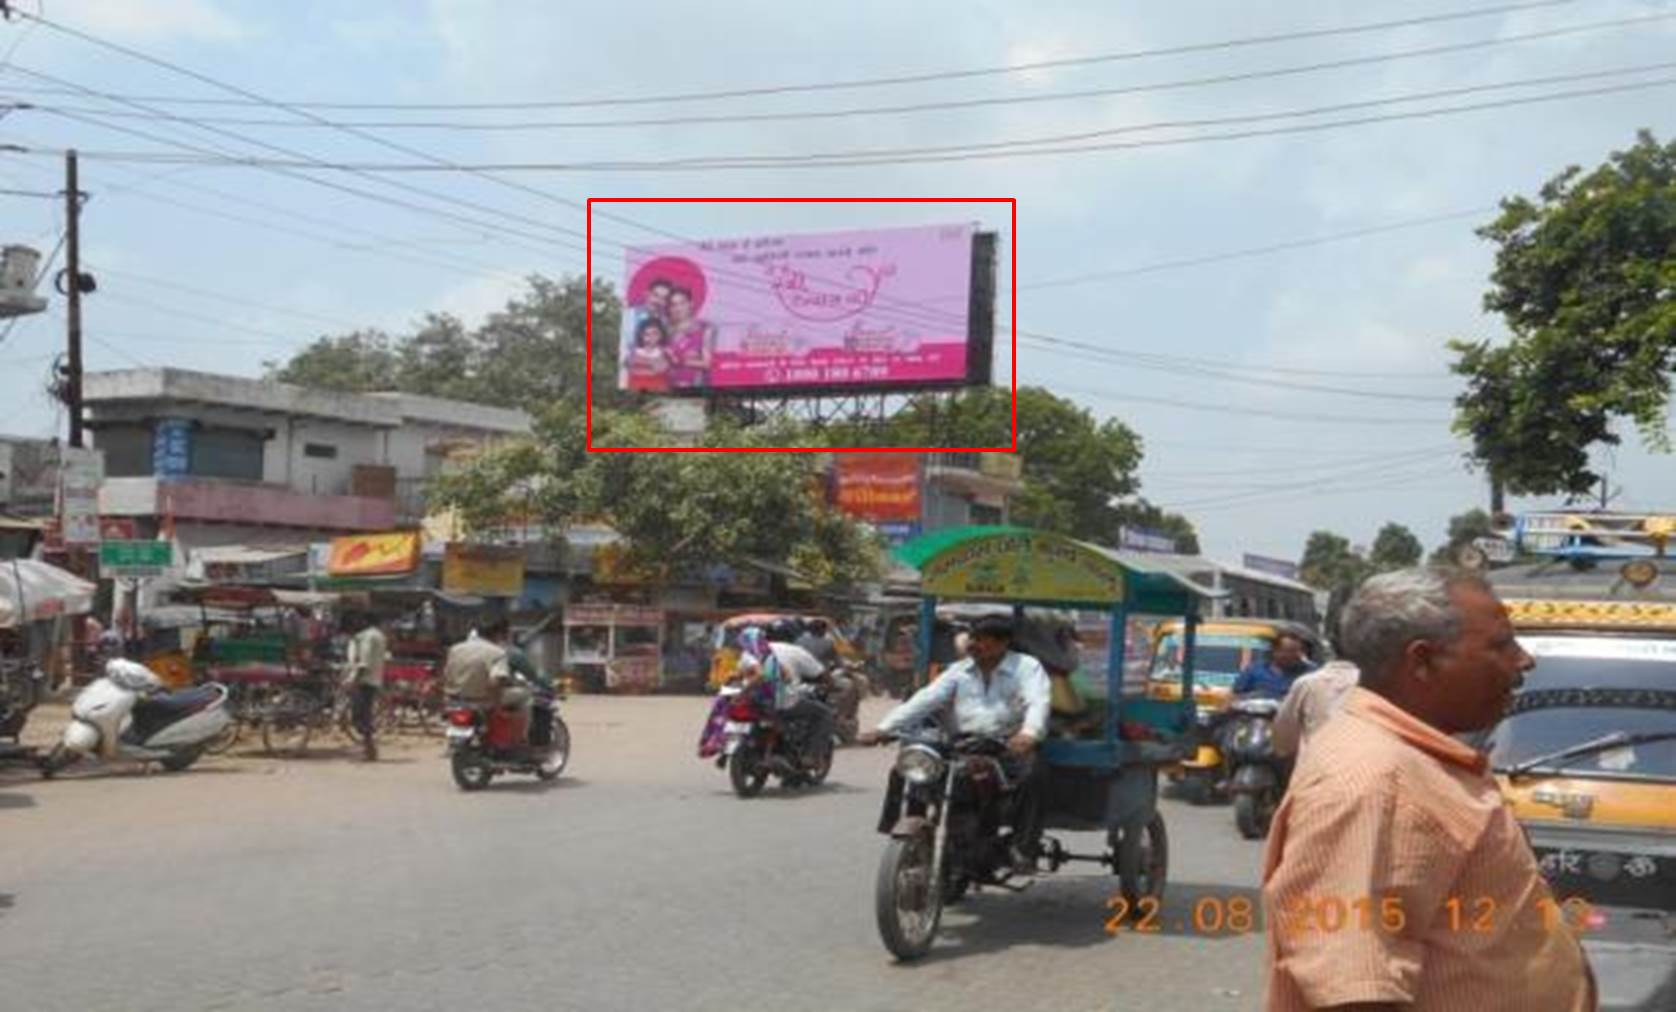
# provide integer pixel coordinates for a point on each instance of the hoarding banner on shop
(1145, 539)
(393, 554)
(879, 486)
(613, 614)
(1274, 567)
(81, 473)
(485, 570)
(882, 307)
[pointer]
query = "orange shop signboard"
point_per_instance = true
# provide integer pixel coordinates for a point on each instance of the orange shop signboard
(391, 554)
(879, 486)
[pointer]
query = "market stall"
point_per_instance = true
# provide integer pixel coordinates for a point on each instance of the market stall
(613, 647)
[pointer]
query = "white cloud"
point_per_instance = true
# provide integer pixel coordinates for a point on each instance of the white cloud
(158, 20)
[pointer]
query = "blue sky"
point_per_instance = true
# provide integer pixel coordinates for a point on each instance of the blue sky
(293, 259)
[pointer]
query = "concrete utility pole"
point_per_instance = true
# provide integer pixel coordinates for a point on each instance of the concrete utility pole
(72, 253)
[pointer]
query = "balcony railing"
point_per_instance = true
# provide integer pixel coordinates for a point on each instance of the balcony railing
(1004, 467)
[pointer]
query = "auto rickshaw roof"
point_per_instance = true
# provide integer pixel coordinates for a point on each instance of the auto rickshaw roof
(1024, 566)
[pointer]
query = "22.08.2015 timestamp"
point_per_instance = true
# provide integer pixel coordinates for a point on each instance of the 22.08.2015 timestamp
(1304, 915)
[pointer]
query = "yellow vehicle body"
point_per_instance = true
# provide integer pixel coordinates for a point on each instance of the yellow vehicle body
(1225, 648)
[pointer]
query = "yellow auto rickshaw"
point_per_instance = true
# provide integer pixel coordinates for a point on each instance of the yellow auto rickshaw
(1224, 648)
(1586, 754)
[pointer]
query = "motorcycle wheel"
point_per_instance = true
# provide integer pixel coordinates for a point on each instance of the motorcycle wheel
(816, 775)
(746, 773)
(471, 773)
(180, 760)
(907, 906)
(225, 740)
(1252, 814)
(59, 758)
(1142, 858)
(558, 756)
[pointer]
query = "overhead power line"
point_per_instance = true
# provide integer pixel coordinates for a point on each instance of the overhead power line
(868, 82)
(1229, 409)
(810, 115)
(1017, 148)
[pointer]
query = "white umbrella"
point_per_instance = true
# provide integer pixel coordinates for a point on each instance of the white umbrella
(31, 591)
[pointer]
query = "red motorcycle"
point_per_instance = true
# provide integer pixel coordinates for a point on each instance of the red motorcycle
(486, 741)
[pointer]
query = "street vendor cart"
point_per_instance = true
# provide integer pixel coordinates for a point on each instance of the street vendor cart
(1104, 749)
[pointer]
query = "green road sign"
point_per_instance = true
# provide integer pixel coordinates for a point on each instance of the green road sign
(135, 558)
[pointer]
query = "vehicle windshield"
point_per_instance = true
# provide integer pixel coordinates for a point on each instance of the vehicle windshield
(1217, 660)
(1584, 688)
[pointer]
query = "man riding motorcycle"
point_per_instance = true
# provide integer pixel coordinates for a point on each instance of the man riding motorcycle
(479, 670)
(789, 669)
(994, 693)
(1272, 678)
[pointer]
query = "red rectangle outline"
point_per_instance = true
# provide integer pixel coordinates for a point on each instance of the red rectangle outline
(588, 364)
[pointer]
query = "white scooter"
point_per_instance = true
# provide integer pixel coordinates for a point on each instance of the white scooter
(126, 714)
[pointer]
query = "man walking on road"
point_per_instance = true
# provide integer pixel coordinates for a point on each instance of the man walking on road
(1396, 877)
(1313, 699)
(368, 651)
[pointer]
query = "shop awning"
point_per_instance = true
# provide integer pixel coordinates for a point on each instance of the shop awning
(31, 591)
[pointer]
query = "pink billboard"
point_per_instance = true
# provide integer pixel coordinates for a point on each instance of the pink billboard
(874, 308)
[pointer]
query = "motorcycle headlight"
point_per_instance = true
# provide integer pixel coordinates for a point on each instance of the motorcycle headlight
(919, 765)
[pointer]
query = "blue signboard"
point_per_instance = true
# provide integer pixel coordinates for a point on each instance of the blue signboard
(171, 448)
(896, 533)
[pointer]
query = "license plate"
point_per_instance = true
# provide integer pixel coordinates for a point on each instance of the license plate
(459, 734)
(734, 727)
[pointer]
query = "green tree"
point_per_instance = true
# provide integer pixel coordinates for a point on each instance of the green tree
(363, 360)
(1395, 547)
(531, 354)
(1464, 528)
(1583, 278)
(678, 512)
(1077, 470)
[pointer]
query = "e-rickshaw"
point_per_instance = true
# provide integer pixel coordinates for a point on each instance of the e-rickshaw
(1586, 753)
(724, 659)
(1102, 770)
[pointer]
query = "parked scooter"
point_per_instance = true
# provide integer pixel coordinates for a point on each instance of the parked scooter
(1260, 776)
(126, 714)
(486, 741)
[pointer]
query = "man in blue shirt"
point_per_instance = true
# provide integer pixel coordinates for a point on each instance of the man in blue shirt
(1274, 677)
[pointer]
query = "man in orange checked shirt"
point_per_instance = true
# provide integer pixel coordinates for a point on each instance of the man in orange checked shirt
(1396, 877)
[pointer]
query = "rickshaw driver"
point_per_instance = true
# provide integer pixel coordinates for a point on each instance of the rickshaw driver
(1000, 694)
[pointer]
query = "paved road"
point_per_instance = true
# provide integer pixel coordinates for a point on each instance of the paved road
(637, 881)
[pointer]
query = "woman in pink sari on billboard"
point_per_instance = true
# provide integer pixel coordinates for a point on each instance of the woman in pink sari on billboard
(692, 342)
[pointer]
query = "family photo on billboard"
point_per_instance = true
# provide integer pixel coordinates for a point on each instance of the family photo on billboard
(875, 308)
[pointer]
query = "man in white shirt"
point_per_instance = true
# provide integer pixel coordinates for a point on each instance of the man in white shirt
(811, 720)
(364, 675)
(993, 693)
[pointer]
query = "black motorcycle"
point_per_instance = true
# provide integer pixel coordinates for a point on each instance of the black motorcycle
(760, 745)
(1259, 775)
(943, 810)
(21, 688)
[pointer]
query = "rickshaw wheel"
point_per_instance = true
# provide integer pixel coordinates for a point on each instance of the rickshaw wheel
(1142, 858)
(907, 906)
(289, 723)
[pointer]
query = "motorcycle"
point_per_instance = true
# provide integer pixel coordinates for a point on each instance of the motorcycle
(1259, 775)
(756, 745)
(842, 688)
(127, 714)
(486, 741)
(943, 810)
(21, 687)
